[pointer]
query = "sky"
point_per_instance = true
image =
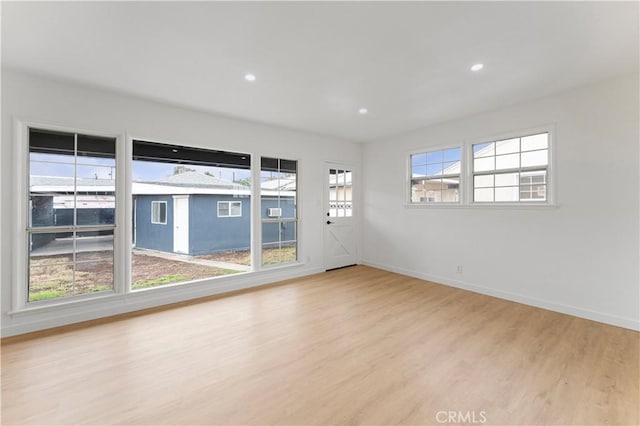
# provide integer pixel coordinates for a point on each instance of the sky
(104, 168)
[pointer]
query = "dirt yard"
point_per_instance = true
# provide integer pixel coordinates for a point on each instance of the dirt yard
(270, 256)
(52, 276)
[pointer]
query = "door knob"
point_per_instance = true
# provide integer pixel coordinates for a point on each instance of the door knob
(329, 222)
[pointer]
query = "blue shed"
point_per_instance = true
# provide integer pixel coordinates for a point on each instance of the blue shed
(196, 214)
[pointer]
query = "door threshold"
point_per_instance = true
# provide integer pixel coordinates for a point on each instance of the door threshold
(341, 267)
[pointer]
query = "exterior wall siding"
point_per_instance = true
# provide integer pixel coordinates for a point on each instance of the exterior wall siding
(210, 233)
(151, 235)
(273, 233)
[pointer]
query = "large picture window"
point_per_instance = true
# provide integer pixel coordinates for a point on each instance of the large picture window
(190, 217)
(278, 202)
(192, 191)
(71, 223)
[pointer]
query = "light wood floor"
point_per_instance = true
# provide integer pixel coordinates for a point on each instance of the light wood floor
(352, 346)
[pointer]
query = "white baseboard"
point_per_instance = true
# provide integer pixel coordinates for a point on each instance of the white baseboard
(630, 323)
(58, 315)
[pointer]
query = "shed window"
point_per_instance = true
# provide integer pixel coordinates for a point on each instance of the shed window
(159, 212)
(229, 208)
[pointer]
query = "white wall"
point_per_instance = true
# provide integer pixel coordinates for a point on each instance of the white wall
(581, 258)
(42, 100)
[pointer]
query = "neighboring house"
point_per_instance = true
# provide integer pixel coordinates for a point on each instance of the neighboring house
(52, 204)
(189, 213)
(435, 189)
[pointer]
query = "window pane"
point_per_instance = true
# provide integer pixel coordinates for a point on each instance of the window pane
(94, 261)
(508, 146)
(450, 190)
(236, 209)
(484, 150)
(450, 196)
(223, 209)
(433, 184)
(279, 188)
(159, 212)
(509, 193)
(483, 194)
(348, 208)
(509, 161)
(507, 179)
(278, 242)
(71, 187)
(483, 181)
(418, 159)
(94, 246)
(95, 147)
(419, 171)
(434, 169)
(452, 154)
(434, 157)
(278, 201)
(162, 212)
(53, 271)
(418, 192)
(52, 142)
(52, 201)
(49, 279)
(535, 158)
(452, 168)
(95, 209)
(190, 193)
(484, 164)
(50, 175)
(534, 142)
(533, 192)
(527, 178)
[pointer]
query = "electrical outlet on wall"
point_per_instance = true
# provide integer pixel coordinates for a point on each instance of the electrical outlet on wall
(459, 269)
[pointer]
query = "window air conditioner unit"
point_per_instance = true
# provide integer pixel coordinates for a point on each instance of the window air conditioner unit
(274, 212)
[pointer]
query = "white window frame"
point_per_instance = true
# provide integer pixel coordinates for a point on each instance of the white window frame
(409, 177)
(20, 272)
(466, 175)
(262, 221)
(229, 208)
(166, 212)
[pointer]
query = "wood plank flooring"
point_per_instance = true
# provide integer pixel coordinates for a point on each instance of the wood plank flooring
(351, 346)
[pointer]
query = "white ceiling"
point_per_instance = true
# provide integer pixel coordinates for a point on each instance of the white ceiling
(318, 63)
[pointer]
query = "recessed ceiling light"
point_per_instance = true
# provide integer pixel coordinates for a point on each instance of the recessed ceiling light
(174, 150)
(363, 111)
(250, 77)
(477, 67)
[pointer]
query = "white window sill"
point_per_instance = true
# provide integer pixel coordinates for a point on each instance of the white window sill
(483, 206)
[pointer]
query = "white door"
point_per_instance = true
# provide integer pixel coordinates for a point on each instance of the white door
(339, 220)
(181, 224)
